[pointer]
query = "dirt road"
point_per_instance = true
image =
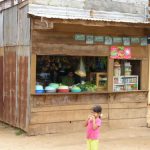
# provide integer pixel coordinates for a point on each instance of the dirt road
(111, 139)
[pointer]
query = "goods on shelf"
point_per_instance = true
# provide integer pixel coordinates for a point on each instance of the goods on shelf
(75, 89)
(50, 89)
(117, 68)
(125, 83)
(127, 68)
(100, 78)
(63, 89)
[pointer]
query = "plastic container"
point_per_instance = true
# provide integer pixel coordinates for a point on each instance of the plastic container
(54, 85)
(76, 90)
(50, 89)
(63, 90)
(39, 87)
(39, 91)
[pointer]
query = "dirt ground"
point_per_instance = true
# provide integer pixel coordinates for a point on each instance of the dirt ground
(111, 139)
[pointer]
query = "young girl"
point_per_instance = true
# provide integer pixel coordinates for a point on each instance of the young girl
(93, 124)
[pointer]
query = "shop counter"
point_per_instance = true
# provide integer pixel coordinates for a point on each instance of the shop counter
(86, 93)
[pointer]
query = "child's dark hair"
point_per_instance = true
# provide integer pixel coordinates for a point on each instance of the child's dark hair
(97, 109)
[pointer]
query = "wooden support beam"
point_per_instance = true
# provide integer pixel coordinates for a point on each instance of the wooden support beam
(1, 51)
(110, 74)
(33, 73)
(99, 28)
(144, 74)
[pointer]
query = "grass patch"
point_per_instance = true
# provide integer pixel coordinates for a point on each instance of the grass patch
(19, 132)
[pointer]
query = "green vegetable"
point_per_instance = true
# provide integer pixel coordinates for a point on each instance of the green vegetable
(88, 86)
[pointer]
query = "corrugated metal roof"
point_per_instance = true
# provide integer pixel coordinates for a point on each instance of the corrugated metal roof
(74, 13)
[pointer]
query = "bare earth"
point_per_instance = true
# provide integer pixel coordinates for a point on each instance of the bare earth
(111, 139)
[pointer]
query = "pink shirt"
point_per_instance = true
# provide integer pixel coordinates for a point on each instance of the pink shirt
(91, 133)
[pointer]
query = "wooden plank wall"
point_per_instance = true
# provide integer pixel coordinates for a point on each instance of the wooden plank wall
(63, 112)
(1, 84)
(9, 115)
(16, 66)
(50, 42)
(23, 81)
(24, 25)
(16, 26)
(89, 27)
(1, 29)
(5, 4)
(1, 65)
(67, 112)
(128, 109)
(11, 26)
(16, 86)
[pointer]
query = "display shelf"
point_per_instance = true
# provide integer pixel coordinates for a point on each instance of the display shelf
(100, 80)
(130, 83)
(119, 84)
(125, 83)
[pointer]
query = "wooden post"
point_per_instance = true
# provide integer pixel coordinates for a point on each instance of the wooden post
(33, 73)
(144, 74)
(110, 74)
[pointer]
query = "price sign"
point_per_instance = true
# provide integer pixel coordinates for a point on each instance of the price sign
(89, 39)
(79, 37)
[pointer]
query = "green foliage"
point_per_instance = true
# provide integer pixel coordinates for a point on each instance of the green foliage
(88, 86)
(19, 132)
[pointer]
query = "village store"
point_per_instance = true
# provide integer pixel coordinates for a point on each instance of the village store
(75, 68)
(75, 64)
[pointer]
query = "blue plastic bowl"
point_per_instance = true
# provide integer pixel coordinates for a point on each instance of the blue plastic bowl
(39, 91)
(76, 90)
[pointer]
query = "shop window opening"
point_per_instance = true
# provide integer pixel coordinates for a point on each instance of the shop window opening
(127, 75)
(70, 74)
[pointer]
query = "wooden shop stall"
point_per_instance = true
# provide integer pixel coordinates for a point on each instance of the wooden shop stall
(53, 70)
(76, 66)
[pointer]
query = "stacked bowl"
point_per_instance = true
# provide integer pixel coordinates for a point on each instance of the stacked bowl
(63, 89)
(50, 89)
(39, 89)
(75, 89)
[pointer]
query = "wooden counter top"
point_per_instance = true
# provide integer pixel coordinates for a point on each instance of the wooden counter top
(86, 93)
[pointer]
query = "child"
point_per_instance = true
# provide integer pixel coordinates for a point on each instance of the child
(93, 124)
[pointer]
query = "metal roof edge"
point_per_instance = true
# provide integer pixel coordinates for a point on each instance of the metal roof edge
(82, 14)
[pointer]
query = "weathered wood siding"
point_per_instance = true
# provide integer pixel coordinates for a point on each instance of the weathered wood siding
(23, 26)
(1, 84)
(123, 6)
(5, 4)
(16, 26)
(49, 42)
(23, 85)
(61, 111)
(9, 115)
(128, 109)
(16, 46)
(1, 29)
(11, 26)
(68, 112)
(16, 86)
